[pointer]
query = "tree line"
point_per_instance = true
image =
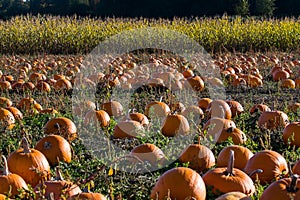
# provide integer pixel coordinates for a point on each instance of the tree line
(151, 8)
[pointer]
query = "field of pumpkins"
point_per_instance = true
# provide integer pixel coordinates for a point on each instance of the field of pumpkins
(242, 145)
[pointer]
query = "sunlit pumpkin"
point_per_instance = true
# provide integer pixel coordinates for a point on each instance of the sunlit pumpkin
(273, 120)
(61, 126)
(148, 152)
(219, 108)
(175, 124)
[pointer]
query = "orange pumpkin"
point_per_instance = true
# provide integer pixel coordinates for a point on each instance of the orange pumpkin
(179, 183)
(148, 152)
(219, 108)
(196, 83)
(199, 157)
(11, 183)
(7, 119)
(291, 134)
(229, 179)
(97, 116)
(237, 136)
(175, 124)
(287, 83)
(235, 107)
(128, 129)
(55, 148)
(193, 113)
(294, 107)
(30, 164)
(61, 126)
(241, 154)
(259, 107)
(272, 163)
(157, 109)
(43, 86)
(233, 196)
(60, 188)
(5, 102)
(204, 102)
(113, 108)
(5, 86)
(62, 84)
(88, 196)
(16, 112)
(273, 120)
(139, 117)
(283, 189)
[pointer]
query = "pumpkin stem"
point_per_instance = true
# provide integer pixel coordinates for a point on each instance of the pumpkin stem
(290, 169)
(293, 185)
(255, 172)
(230, 130)
(229, 170)
(5, 169)
(128, 115)
(161, 98)
(25, 145)
(58, 175)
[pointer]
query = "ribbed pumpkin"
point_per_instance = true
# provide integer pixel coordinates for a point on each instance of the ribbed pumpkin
(11, 183)
(199, 157)
(273, 120)
(291, 134)
(233, 196)
(272, 163)
(55, 148)
(148, 152)
(229, 179)
(219, 108)
(61, 126)
(175, 124)
(128, 129)
(97, 116)
(179, 183)
(60, 188)
(283, 189)
(29, 163)
(241, 154)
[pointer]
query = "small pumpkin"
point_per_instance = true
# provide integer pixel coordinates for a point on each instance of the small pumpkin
(29, 163)
(61, 126)
(287, 83)
(235, 107)
(259, 107)
(272, 163)
(16, 112)
(11, 183)
(113, 108)
(5, 102)
(291, 134)
(196, 83)
(179, 183)
(219, 108)
(229, 179)
(175, 124)
(55, 148)
(148, 152)
(204, 102)
(241, 154)
(283, 189)
(139, 117)
(59, 187)
(7, 119)
(237, 136)
(199, 157)
(193, 113)
(157, 109)
(97, 116)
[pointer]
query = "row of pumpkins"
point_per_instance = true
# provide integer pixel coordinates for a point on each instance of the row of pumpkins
(266, 165)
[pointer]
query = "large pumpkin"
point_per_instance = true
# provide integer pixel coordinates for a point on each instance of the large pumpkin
(55, 148)
(11, 183)
(229, 179)
(199, 157)
(128, 129)
(29, 163)
(61, 126)
(179, 183)
(283, 189)
(88, 196)
(233, 196)
(157, 109)
(113, 108)
(100, 117)
(272, 163)
(148, 152)
(273, 120)
(219, 108)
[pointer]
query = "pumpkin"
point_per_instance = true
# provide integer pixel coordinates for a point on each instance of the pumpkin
(51, 111)
(214, 126)
(157, 109)
(43, 86)
(199, 157)
(128, 129)
(175, 124)
(16, 112)
(97, 116)
(193, 113)
(287, 83)
(179, 183)
(59, 187)
(139, 117)
(188, 73)
(148, 152)
(233, 196)
(62, 84)
(296, 167)
(88, 196)
(5, 102)
(259, 107)
(272, 163)
(241, 154)
(113, 108)
(11, 183)
(196, 83)
(297, 83)
(219, 108)
(204, 102)
(283, 189)
(83, 107)
(280, 75)
(294, 107)
(229, 179)
(3, 197)
(237, 136)
(61, 126)
(273, 120)
(26, 104)
(291, 134)
(5, 86)
(235, 107)
(7, 119)
(29, 163)
(55, 148)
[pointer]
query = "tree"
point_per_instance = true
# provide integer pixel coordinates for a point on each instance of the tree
(242, 8)
(264, 7)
